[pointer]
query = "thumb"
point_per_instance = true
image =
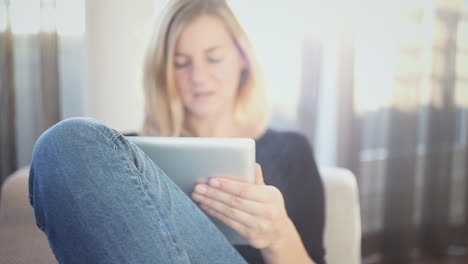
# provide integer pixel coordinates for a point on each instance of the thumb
(259, 175)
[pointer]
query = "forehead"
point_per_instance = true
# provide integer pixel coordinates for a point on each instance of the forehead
(204, 32)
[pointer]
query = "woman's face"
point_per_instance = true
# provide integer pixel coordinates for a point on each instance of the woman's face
(207, 67)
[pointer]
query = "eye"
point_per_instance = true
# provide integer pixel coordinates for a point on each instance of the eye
(181, 65)
(181, 62)
(214, 59)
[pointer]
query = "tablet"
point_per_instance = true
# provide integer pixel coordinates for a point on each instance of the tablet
(189, 160)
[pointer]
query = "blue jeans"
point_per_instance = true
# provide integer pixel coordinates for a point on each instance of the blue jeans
(100, 199)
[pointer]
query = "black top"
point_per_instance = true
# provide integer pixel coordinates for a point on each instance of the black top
(288, 164)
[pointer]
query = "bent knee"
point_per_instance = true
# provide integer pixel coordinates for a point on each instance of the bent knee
(71, 134)
(75, 126)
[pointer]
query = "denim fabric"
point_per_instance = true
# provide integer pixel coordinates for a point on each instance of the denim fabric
(100, 199)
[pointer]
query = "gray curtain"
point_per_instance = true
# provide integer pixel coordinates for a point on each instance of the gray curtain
(404, 154)
(30, 97)
(7, 107)
(410, 157)
(307, 109)
(441, 135)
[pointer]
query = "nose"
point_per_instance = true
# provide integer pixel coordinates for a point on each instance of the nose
(199, 73)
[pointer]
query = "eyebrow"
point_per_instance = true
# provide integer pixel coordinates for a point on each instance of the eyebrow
(208, 50)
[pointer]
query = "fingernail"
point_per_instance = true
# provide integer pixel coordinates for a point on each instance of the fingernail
(214, 183)
(200, 189)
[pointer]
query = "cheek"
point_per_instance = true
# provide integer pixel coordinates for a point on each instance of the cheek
(182, 84)
(227, 75)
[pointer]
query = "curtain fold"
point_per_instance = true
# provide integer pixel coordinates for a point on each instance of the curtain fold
(398, 234)
(307, 109)
(7, 103)
(440, 139)
(50, 83)
(402, 147)
(348, 142)
(29, 80)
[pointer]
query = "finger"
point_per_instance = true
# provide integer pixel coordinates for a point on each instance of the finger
(259, 175)
(230, 200)
(233, 213)
(247, 191)
(240, 228)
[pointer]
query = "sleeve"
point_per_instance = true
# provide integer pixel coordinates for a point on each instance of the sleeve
(305, 197)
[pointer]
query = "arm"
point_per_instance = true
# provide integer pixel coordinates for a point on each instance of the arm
(289, 250)
(258, 211)
(304, 197)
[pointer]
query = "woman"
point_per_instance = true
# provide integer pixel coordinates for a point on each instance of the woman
(100, 199)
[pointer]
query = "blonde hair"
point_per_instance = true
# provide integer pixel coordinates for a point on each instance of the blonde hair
(164, 110)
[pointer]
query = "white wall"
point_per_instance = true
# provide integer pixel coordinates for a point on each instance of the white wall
(115, 42)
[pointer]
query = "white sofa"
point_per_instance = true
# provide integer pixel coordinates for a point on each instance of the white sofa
(21, 242)
(342, 216)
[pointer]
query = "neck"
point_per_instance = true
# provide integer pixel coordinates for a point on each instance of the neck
(223, 126)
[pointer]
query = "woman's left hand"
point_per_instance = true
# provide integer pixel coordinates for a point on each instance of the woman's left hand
(257, 211)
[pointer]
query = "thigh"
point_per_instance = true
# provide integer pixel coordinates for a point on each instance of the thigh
(184, 221)
(100, 199)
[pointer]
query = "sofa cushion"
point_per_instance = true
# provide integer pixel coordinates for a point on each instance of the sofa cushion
(21, 242)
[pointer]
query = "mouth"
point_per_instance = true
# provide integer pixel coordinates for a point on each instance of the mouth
(202, 95)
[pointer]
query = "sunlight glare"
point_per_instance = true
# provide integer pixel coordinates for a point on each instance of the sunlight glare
(48, 19)
(381, 30)
(3, 16)
(25, 16)
(71, 19)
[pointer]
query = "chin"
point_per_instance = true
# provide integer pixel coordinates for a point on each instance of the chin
(204, 112)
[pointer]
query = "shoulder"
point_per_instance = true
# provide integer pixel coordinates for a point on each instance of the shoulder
(287, 140)
(285, 156)
(283, 147)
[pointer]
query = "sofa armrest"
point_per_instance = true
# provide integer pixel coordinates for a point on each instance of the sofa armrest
(21, 241)
(14, 201)
(342, 235)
